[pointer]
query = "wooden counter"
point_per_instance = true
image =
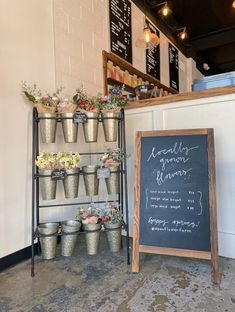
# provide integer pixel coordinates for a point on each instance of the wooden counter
(182, 97)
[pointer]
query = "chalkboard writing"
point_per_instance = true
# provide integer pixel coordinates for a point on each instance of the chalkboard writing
(173, 67)
(58, 174)
(174, 209)
(120, 28)
(175, 202)
(153, 55)
(80, 117)
(103, 173)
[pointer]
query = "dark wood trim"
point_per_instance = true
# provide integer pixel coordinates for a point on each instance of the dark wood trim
(173, 132)
(135, 246)
(17, 257)
(176, 252)
(212, 204)
(187, 96)
(105, 82)
(132, 70)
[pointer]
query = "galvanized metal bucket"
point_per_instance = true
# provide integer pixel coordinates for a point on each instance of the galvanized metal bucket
(68, 242)
(114, 237)
(47, 185)
(90, 128)
(110, 126)
(92, 239)
(48, 244)
(71, 183)
(70, 128)
(113, 182)
(90, 179)
(48, 127)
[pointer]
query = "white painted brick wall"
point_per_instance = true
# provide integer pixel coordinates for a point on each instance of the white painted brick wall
(81, 33)
(137, 28)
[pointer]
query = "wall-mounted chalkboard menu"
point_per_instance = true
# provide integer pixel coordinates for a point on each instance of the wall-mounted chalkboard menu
(153, 55)
(173, 67)
(175, 210)
(120, 28)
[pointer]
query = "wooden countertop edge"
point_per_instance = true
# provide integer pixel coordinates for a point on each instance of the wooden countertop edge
(194, 95)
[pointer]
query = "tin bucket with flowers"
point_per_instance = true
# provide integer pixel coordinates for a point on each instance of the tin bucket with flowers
(67, 108)
(69, 162)
(112, 160)
(110, 106)
(112, 220)
(91, 225)
(46, 163)
(89, 107)
(46, 108)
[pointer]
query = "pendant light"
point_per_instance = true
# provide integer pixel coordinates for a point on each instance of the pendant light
(182, 33)
(165, 10)
(147, 39)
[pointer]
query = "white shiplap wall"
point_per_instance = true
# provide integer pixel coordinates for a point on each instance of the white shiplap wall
(215, 112)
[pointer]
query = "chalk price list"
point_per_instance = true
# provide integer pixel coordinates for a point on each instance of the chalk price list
(176, 202)
(153, 55)
(120, 28)
(174, 67)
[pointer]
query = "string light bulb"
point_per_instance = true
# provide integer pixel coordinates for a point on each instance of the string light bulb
(182, 34)
(147, 34)
(165, 10)
(233, 4)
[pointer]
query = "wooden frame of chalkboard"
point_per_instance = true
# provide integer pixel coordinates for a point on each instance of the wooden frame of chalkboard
(170, 156)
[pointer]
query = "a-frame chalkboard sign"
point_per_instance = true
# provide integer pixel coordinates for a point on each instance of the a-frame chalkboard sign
(175, 196)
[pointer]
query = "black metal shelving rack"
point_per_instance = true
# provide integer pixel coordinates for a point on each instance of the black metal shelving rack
(36, 206)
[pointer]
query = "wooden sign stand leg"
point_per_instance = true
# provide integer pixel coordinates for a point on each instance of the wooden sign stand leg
(212, 204)
(215, 274)
(135, 251)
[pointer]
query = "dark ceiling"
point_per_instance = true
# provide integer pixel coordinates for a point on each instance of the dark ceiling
(211, 30)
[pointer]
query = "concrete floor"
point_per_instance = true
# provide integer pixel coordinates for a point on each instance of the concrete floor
(104, 283)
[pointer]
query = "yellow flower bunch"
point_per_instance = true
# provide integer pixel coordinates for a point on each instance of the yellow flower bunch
(68, 160)
(46, 161)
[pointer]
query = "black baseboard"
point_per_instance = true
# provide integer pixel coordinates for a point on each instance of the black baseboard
(17, 257)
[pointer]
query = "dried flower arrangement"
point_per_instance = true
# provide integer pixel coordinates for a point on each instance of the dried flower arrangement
(85, 103)
(44, 103)
(111, 214)
(113, 157)
(88, 215)
(46, 161)
(114, 101)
